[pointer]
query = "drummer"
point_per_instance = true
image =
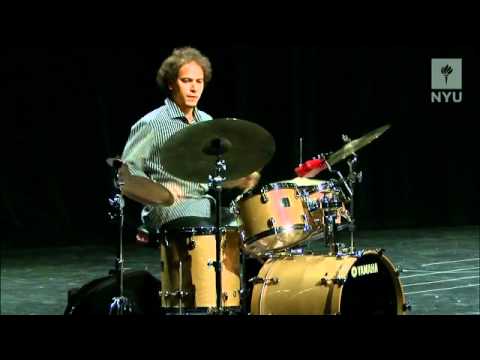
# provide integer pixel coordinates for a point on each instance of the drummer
(170, 202)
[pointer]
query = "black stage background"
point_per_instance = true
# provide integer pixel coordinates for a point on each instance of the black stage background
(67, 110)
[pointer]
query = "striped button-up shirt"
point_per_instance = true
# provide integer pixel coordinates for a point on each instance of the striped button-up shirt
(142, 155)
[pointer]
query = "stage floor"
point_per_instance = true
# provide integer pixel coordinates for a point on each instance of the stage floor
(441, 270)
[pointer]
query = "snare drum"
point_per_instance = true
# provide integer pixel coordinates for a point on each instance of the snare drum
(188, 277)
(366, 284)
(275, 218)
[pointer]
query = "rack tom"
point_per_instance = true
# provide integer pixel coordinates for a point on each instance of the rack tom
(274, 218)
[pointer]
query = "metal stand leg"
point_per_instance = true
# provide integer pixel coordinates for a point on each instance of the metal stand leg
(120, 305)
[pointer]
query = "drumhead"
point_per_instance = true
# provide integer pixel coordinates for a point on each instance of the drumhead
(370, 287)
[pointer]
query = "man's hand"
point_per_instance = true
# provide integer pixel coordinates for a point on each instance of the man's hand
(246, 183)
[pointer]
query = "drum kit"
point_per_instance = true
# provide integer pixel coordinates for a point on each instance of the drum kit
(203, 268)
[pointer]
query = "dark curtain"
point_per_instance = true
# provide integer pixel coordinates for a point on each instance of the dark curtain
(67, 110)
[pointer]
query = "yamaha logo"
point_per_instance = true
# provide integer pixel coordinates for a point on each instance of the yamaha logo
(363, 270)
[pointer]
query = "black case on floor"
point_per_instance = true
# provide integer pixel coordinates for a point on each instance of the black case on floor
(95, 298)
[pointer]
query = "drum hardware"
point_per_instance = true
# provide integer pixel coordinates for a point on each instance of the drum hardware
(243, 287)
(177, 293)
(334, 281)
(266, 282)
(271, 222)
(120, 305)
(191, 244)
(180, 292)
(324, 281)
(234, 208)
(407, 307)
(271, 281)
(216, 182)
(306, 225)
(264, 196)
(398, 270)
(256, 280)
(301, 152)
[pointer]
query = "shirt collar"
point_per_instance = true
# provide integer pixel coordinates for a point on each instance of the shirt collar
(176, 113)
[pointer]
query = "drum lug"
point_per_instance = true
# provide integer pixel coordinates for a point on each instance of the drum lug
(191, 244)
(306, 226)
(234, 210)
(337, 281)
(407, 307)
(298, 194)
(256, 280)
(264, 196)
(380, 251)
(271, 222)
(398, 270)
(272, 281)
(180, 294)
(243, 235)
(212, 263)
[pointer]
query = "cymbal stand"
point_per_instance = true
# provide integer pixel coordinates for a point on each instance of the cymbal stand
(353, 178)
(349, 183)
(216, 182)
(120, 305)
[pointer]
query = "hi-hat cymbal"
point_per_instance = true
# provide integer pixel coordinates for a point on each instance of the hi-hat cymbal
(191, 154)
(301, 181)
(353, 146)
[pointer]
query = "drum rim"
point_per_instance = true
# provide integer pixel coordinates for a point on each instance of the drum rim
(203, 310)
(279, 230)
(324, 187)
(202, 230)
(267, 188)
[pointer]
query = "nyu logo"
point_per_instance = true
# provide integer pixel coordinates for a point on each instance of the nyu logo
(447, 75)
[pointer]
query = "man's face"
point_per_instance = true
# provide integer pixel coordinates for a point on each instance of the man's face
(188, 87)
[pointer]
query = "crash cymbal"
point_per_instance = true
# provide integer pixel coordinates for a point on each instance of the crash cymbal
(355, 145)
(301, 181)
(191, 154)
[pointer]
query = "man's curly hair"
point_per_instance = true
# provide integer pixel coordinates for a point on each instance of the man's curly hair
(168, 72)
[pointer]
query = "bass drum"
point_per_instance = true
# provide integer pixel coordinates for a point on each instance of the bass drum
(367, 284)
